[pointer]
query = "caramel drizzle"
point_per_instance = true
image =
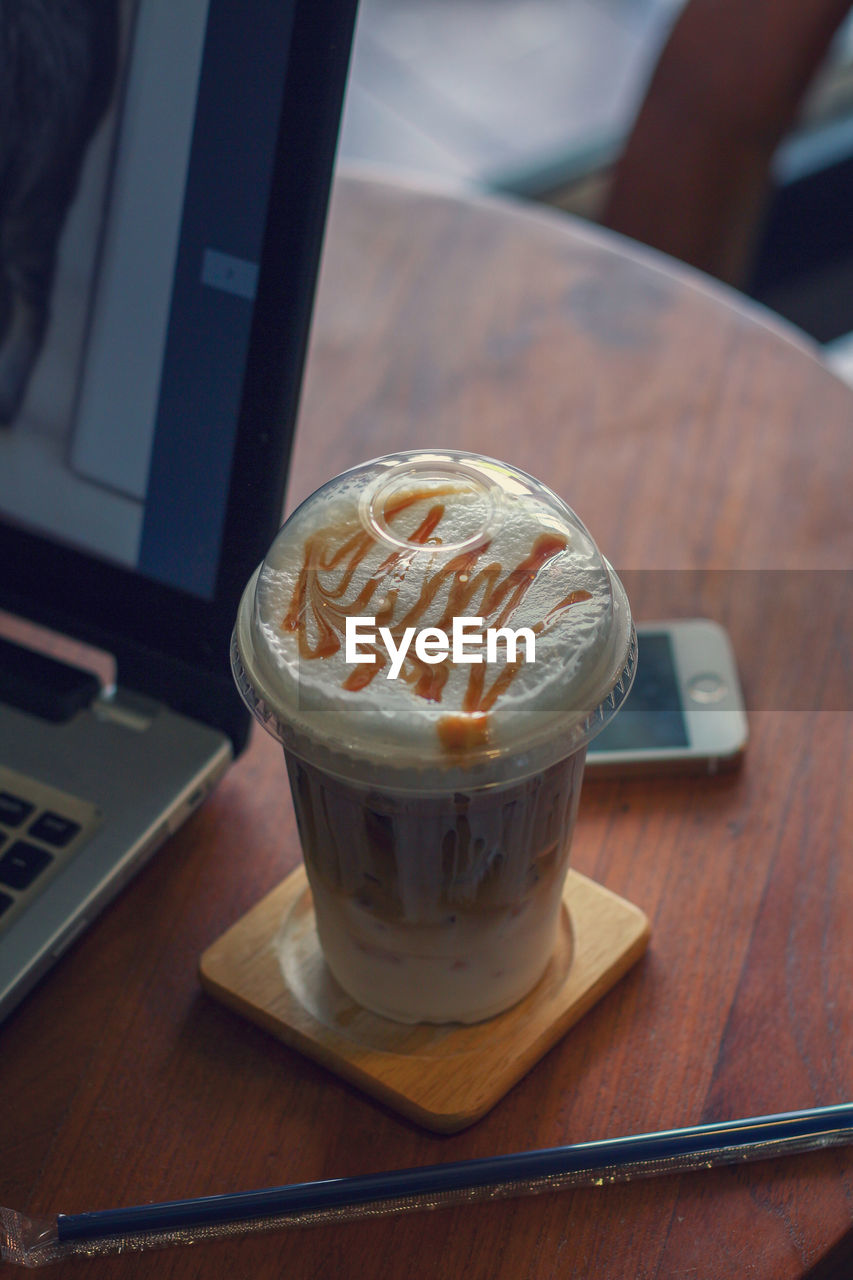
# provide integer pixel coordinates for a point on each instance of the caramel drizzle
(502, 594)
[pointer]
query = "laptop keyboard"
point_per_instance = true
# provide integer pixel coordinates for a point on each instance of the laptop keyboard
(41, 828)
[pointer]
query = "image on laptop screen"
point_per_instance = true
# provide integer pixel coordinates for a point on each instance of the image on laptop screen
(132, 275)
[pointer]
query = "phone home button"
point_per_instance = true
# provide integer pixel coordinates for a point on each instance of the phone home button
(707, 687)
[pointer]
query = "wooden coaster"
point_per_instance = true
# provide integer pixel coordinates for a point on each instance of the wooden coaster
(269, 967)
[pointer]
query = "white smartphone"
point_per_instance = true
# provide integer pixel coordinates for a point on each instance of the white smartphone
(685, 711)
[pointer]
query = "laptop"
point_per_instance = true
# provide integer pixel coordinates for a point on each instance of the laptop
(145, 436)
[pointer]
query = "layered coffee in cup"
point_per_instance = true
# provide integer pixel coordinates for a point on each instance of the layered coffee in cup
(434, 637)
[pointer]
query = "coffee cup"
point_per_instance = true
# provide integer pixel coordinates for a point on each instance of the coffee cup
(434, 638)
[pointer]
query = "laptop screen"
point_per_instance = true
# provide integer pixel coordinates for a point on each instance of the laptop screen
(121, 420)
(159, 257)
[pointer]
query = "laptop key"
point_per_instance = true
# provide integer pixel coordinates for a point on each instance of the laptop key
(14, 810)
(53, 829)
(21, 864)
(5, 901)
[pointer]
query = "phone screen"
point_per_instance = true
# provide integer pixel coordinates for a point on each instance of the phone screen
(652, 717)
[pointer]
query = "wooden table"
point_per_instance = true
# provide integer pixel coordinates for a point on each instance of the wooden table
(710, 452)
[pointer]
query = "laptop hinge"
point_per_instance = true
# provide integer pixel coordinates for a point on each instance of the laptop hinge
(43, 686)
(122, 707)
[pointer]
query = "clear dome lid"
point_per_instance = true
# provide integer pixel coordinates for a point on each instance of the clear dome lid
(433, 613)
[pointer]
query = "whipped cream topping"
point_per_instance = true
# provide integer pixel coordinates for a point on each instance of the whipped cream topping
(414, 541)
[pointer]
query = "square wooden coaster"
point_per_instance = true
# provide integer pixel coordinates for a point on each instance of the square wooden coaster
(269, 967)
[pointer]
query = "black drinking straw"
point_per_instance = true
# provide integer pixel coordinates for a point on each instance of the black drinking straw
(703, 1146)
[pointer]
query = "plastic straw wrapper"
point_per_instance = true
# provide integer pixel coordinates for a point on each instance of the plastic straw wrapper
(35, 1243)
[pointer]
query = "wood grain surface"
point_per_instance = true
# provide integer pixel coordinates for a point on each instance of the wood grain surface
(709, 452)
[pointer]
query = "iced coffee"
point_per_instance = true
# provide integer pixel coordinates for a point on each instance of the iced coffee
(434, 638)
